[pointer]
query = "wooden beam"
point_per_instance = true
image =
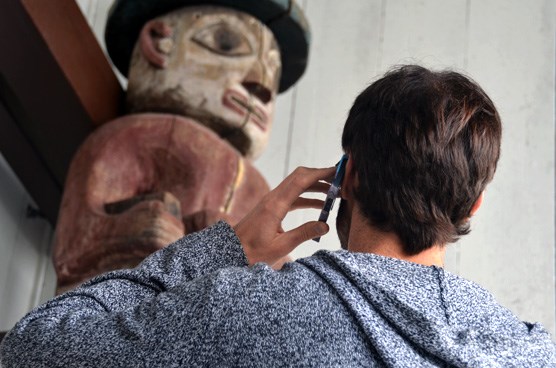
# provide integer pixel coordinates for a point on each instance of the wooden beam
(54, 88)
(75, 48)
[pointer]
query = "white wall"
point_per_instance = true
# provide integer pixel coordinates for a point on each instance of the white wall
(508, 46)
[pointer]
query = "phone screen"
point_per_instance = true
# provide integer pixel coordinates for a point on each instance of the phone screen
(334, 191)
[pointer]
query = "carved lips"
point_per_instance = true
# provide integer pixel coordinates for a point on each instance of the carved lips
(246, 106)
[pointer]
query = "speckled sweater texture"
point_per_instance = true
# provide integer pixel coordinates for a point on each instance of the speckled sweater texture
(197, 304)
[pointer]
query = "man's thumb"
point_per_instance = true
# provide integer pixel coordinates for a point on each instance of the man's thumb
(319, 228)
(307, 231)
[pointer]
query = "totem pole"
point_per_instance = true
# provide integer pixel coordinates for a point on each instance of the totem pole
(202, 81)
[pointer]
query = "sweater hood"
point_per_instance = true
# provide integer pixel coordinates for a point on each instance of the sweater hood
(415, 315)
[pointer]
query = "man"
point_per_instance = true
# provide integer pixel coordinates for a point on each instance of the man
(422, 146)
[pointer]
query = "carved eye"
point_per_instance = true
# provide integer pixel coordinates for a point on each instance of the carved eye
(223, 40)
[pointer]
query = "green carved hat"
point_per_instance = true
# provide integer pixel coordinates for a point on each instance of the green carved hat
(283, 17)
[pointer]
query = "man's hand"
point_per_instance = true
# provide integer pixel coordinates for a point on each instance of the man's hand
(261, 233)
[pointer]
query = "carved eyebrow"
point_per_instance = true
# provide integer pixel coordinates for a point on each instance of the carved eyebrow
(216, 36)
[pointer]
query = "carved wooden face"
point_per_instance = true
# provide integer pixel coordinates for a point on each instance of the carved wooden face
(216, 65)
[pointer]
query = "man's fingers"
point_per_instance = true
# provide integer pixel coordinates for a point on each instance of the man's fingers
(272, 243)
(319, 187)
(291, 239)
(299, 181)
(303, 177)
(281, 199)
(306, 203)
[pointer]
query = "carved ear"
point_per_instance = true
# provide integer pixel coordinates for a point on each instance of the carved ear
(155, 42)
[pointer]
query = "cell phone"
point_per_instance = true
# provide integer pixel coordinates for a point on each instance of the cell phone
(334, 191)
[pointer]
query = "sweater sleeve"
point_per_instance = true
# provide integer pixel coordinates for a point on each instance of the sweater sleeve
(107, 321)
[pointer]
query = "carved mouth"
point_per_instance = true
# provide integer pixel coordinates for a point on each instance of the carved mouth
(242, 105)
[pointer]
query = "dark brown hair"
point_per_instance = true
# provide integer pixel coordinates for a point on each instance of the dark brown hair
(424, 146)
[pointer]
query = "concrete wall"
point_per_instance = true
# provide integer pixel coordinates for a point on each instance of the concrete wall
(507, 46)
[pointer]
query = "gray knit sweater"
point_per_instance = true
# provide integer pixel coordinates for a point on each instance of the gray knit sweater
(197, 304)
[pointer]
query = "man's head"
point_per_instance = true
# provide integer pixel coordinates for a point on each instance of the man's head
(423, 146)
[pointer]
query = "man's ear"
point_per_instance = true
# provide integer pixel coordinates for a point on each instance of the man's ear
(155, 42)
(350, 180)
(477, 204)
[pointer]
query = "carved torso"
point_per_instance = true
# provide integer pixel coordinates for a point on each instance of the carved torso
(141, 182)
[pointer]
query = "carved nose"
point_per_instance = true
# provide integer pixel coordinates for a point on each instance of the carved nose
(258, 90)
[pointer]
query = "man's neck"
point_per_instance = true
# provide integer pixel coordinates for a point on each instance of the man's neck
(367, 239)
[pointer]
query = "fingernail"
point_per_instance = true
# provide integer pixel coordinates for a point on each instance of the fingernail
(321, 228)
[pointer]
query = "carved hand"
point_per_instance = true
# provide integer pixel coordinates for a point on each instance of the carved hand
(149, 221)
